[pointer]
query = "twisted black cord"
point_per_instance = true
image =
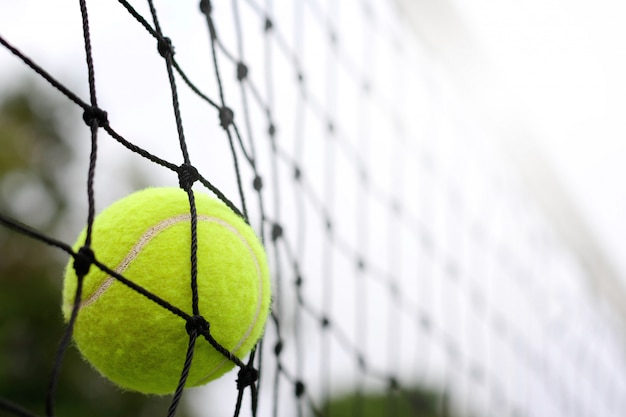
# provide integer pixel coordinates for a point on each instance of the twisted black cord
(60, 354)
(15, 409)
(193, 335)
(26, 230)
(194, 253)
(139, 18)
(246, 377)
(93, 123)
(44, 74)
(166, 50)
(94, 117)
(226, 114)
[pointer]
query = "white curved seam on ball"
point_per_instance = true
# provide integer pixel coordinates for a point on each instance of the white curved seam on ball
(150, 234)
(134, 252)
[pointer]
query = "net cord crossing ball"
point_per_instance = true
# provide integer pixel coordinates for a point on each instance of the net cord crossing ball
(146, 238)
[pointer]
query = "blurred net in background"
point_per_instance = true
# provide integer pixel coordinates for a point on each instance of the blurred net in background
(414, 272)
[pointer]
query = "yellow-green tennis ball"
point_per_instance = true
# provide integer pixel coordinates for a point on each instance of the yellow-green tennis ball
(146, 237)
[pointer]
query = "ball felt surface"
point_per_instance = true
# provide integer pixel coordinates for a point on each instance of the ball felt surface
(146, 237)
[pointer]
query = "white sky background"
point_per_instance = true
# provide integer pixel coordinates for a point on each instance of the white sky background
(565, 62)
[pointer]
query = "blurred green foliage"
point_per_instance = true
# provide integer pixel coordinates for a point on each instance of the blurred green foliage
(417, 402)
(34, 151)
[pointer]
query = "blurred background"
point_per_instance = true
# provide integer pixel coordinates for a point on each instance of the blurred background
(560, 64)
(516, 95)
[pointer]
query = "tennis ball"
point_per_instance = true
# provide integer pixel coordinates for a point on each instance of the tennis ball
(146, 237)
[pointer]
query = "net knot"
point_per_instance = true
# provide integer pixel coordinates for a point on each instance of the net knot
(206, 7)
(246, 377)
(226, 117)
(277, 231)
(187, 175)
(242, 71)
(299, 389)
(83, 260)
(96, 114)
(197, 324)
(257, 183)
(165, 47)
(278, 348)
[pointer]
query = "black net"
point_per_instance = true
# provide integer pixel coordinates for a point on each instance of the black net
(412, 273)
